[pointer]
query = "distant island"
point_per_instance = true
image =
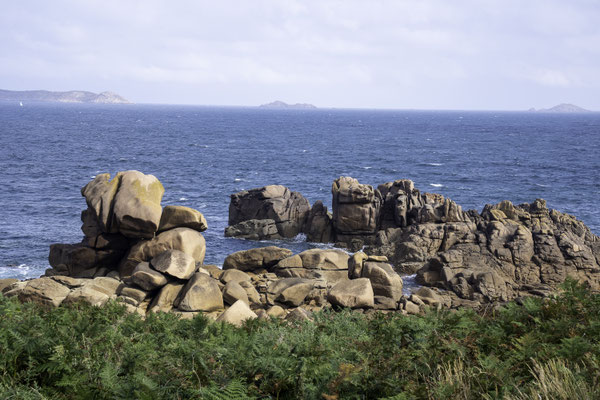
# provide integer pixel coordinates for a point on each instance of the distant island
(281, 104)
(561, 108)
(73, 96)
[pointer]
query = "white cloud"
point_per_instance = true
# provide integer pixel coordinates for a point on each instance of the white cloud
(343, 51)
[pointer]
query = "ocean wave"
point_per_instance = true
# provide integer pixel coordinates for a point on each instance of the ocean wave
(183, 198)
(434, 164)
(436, 185)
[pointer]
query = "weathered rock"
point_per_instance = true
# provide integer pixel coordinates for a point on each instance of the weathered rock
(163, 301)
(79, 260)
(355, 264)
(355, 207)
(299, 315)
(319, 225)
(251, 292)
(148, 278)
(201, 293)
(328, 265)
(135, 294)
(233, 292)
(136, 205)
(87, 294)
(356, 293)
(44, 291)
(234, 275)
(129, 203)
(185, 239)
(384, 280)
(294, 295)
(324, 259)
(182, 217)
(249, 260)
(237, 314)
(276, 312)
(254, 229)
(4, 283)
(288, 209)
(175, 263)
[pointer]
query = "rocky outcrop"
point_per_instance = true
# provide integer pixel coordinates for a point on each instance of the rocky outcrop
(514, 251)
(275, 204)
(356, 207)
(502, 253)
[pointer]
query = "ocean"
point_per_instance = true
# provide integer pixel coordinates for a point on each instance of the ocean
(203, 154)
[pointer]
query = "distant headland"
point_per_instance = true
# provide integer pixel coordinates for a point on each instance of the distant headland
(73, 96)
(281, 104)
(561, 108)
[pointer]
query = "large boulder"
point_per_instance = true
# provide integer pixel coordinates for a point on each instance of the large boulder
(128, 204)
(175, 263)
(186, 240)
(233, 292)
(258, 258)
(181, 217)
(355, 207)
(163, 301)
(81, 261)
(201, 293)
(288, 209)
(356, 293)
(45, 291)
(148, 278)
(384, 280)
(326, 264)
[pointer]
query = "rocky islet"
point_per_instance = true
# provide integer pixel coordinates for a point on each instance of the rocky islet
(151, 258)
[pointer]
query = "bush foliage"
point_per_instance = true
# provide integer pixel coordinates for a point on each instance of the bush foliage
(542, 349)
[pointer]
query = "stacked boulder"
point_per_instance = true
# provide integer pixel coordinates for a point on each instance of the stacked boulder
(270, 212)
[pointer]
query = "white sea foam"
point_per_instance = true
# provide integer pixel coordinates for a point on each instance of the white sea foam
(436, 185)
(434, 164)
(182, 198)
(367, 167)
(238, 180)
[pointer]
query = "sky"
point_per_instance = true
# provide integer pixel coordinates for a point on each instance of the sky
(414, 54)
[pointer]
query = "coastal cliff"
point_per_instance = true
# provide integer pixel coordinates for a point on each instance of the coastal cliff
(73, 96)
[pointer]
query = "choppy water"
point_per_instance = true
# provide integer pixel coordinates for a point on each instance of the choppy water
(203, 154)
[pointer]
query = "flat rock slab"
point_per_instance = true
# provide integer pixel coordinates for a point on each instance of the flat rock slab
(262, 257)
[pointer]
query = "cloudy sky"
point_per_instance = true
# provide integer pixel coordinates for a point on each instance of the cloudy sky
(417, 54)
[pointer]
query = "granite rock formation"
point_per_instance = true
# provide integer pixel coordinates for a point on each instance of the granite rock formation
(504, 252)
(281, 212)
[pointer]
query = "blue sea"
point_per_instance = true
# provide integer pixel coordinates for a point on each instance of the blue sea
(203, 154)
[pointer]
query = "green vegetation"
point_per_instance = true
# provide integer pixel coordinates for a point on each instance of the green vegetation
(539, 350)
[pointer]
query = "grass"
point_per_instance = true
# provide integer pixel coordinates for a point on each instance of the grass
(541, 350)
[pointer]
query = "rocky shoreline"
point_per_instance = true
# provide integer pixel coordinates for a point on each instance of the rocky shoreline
(151, 257)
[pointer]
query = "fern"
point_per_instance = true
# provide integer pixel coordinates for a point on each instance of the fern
(235, 390)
